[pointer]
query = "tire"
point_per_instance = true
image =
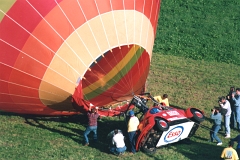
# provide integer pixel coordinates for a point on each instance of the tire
(149, 146)
(162, 124)
(148, 150)
(197, 115)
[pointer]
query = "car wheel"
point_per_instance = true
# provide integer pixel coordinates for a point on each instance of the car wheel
(149, 146)
(197, 115)
(148, 150)
(162, 124)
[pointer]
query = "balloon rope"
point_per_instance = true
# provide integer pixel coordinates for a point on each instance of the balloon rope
(134, 22)
(36, 61)
(74, 29)
(127, 79)
(89, 27)
(59, 36)
(125, 22)
(20, 85)
(76, 33)
(156, 16)
(149, 25)
(80, 36)
(142, 23)
(103, 26)
(93, 36)
(30, 56)
(114, 23)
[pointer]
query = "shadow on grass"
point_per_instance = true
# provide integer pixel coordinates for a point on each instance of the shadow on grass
(195, 150)
(42, 122)
(198, 151)
(105, 126)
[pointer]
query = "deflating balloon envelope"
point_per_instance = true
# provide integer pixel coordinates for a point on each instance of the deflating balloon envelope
(51, 48)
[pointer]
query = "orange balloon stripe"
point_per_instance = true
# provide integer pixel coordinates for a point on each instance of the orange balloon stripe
(26, 81)
(73, 13)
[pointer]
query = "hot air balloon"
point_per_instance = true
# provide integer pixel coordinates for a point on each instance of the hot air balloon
(56, 52)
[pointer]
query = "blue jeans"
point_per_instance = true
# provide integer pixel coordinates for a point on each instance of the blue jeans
(213, 133)
(88, 130)
(238, 117)
(116, 150)
(132, 139)
(233, 118)
(227, 124)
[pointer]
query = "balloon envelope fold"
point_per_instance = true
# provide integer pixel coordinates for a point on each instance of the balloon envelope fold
(48, 47)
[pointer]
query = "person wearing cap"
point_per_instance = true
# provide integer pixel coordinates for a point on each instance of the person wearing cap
(132, 128)
(92, 124)
(118, 145)
(217, 119)
(229, 153)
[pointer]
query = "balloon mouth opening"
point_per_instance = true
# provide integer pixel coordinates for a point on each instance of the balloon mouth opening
(116, 74)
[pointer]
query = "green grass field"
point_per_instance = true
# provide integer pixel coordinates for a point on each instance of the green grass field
(188, 83)
(196, 59)
(201, 30)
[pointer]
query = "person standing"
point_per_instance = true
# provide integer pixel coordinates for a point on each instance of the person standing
(236, 99)
(226, 105)
(217, 119)
(233, 123)
(132, 128)
(118, 143)
(229, 153)
(237, 139)
(92, 124)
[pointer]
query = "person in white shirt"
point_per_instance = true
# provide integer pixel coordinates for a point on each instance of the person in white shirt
(226, 105)
(118, 143)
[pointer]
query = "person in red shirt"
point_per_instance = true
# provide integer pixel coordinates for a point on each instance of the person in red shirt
(92, 125)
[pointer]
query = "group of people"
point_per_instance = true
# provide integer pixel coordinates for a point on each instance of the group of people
(118, 146)
(229, 109)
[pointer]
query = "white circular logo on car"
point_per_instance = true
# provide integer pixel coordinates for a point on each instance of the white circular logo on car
(173, 134)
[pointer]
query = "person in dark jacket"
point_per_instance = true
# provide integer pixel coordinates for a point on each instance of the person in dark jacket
(233, 122)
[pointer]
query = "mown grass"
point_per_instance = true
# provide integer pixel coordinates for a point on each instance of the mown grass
(200, 29)
(196, 59)
(187, 82)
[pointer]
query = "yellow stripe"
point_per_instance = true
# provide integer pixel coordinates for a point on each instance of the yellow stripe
(102, 81)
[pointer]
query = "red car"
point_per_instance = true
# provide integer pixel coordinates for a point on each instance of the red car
(161, 125)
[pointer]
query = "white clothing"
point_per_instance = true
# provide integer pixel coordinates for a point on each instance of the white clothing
(118, 140)
(228, 107)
